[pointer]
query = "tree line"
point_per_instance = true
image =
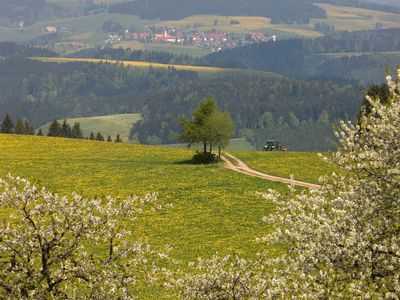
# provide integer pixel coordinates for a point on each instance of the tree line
(364, 4)
(136, 55)
(309, 59)
(56, 129)
(305, 59)
(283, 11)
(8, 126)
(41, 92)
(31, 11)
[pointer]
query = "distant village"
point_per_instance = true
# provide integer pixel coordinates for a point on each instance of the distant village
(211, 40)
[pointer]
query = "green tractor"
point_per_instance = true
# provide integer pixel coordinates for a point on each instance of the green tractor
(272, 145)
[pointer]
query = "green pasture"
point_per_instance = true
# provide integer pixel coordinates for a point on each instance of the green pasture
(171, 48)
(346, 18)
(215, 209)
(239, 144)
(89, 27)
(107, 125)
(204, 72)
(305, 166)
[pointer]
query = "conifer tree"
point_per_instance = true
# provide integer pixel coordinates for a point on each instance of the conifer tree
(28, 128)
(99, 137)
(91, 137)
(109, 139)
(40, 132)
(20, 127)
(76, 131)
(54, 129)
(66, 129)
(7, 126)
(118, 139)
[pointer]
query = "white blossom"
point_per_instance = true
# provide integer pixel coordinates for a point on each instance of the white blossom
(62, 247)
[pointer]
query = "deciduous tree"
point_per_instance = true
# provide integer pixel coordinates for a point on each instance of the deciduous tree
(208, 126)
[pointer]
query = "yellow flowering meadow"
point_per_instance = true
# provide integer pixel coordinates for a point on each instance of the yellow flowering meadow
(305, 166)
(214, 209)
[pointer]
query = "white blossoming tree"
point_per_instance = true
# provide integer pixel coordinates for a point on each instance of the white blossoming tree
(69, 247)
(343, 239)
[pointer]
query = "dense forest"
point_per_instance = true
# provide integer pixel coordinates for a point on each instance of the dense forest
(136, 55)
(307, 59)
(385, 7)
(261, 107)
(12, 49)
(342, 57)
(260, 104)
(282, 11)
(42, 92)
(30, 11)
(27, 11)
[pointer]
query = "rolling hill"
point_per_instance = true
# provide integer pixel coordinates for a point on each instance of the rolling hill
(215, 210)
(193, 229)
(110, 125)
(201, 70)
(332, 57)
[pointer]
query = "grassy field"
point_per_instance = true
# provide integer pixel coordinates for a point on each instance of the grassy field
(303, 166)
(202, 71)
(343, 18)
(240, 144)
(215, 210)
(351, 19)
(171, 48)
(246, 24)
(107, 125)
(88, 29)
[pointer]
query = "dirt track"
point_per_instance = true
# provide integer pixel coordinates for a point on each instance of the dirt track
(241, 167)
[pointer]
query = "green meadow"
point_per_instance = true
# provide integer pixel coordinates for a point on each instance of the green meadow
(304, 166)
(215, 209)
(203, 72)
(110, 125)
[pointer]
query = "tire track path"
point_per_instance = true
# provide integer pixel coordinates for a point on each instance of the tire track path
(240, 167)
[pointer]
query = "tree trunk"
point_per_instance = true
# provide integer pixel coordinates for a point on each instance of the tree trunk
(219, 153)
(205, 147)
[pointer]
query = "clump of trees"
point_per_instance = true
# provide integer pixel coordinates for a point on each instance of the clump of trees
(59, 247)
(343, 239)
(209, 127)
(65, 130)
(20, 127)
(56, 129)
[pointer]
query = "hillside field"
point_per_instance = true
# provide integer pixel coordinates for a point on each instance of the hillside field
(202, 71)
(88, 29)
(238, 144)
(215, 210)
(107, 125)
(304, 166)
